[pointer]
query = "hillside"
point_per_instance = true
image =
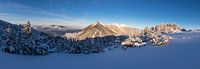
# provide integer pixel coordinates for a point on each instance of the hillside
(95, 30)
(100, 30)
(120, 29)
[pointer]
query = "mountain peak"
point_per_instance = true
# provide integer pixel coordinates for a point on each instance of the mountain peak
(98, 23)
(95, 30)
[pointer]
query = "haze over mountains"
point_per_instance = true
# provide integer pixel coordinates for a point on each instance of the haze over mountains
(56, 30)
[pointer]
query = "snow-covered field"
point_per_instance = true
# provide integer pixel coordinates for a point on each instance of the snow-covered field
(181, 53)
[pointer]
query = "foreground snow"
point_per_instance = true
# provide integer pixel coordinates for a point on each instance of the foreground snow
(181, 53)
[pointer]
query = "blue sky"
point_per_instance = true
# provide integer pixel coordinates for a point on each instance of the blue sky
(137, 13)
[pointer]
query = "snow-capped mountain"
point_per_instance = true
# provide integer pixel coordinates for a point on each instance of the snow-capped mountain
(100, 30)
(95, 30)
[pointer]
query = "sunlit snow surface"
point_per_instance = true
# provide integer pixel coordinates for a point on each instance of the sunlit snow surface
(181, 53)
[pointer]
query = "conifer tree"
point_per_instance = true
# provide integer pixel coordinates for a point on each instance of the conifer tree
(27, 27)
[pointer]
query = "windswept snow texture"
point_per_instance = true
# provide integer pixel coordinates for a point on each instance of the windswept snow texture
(181, 53)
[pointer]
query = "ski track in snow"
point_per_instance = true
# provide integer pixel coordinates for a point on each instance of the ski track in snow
(181, 53)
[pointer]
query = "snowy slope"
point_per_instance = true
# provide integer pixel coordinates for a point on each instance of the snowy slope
(181, 53)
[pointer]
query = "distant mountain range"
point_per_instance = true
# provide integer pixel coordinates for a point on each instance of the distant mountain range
(100, 30)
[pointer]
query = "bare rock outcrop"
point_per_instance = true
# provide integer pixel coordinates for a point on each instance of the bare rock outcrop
(166, 28)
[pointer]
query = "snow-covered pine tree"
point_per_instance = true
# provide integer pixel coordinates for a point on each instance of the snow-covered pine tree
(27, 27)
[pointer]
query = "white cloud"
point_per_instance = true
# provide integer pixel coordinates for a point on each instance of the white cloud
(11, 5)
(54, 18)
(14, 17)
(30, 9)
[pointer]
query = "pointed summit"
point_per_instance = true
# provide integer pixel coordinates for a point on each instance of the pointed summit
(95, 30)
(97, 23)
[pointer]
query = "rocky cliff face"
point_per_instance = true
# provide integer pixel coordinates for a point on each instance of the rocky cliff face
(165, 28)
